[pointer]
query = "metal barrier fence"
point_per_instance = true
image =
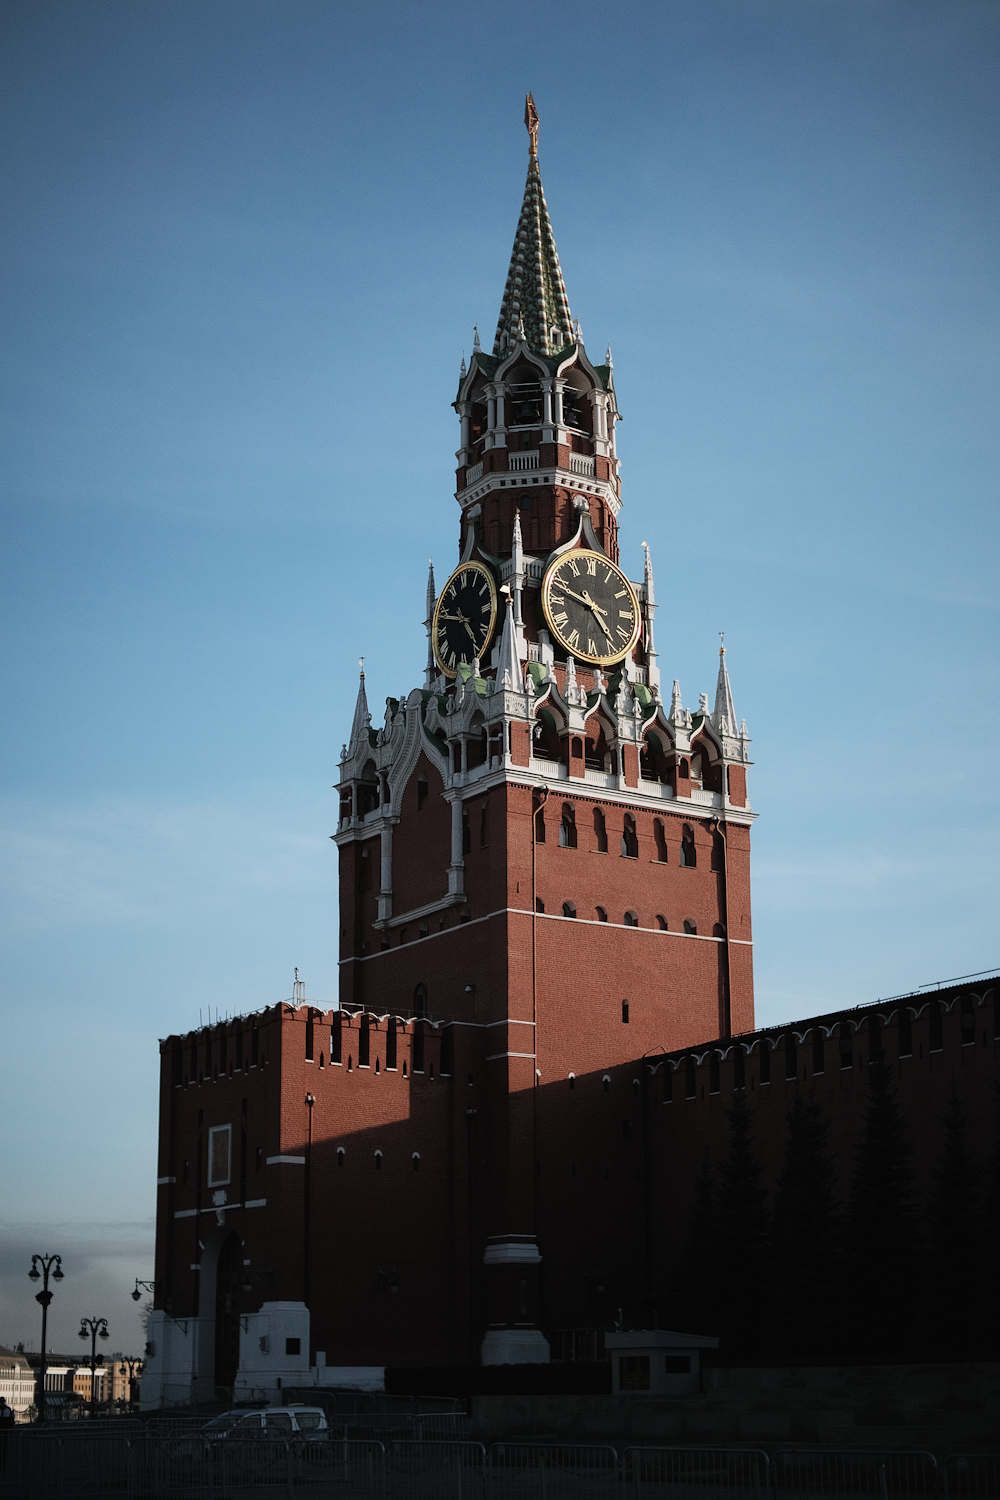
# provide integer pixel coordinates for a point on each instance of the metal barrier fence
(183, 1465)
(436, 1471)
(706, 1473)
(426, 1427)
(552, 1471)
(805, 1473)
(972, 1475)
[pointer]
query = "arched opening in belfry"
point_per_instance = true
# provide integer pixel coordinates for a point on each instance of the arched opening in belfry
(228, 1277)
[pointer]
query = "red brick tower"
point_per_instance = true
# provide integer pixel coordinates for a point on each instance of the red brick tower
(542, 863)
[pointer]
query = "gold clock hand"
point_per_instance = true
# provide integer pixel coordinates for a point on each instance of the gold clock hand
(593, 604)
(574, 595)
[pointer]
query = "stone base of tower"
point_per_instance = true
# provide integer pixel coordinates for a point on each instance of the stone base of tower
(514, 1346)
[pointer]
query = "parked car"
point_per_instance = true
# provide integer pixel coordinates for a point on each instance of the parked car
(290, 1422)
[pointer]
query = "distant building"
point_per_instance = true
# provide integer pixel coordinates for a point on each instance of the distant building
(17, 1382)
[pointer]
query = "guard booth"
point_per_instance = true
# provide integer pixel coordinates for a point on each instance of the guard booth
(654, 1362)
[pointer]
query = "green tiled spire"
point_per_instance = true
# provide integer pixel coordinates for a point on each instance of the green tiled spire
(535, 292)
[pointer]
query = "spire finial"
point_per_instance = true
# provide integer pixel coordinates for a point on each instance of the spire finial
(361, 664)
(531, 121)
(476, 345)
(722, 643)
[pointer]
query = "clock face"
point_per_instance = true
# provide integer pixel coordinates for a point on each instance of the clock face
(590, 608)
(464, 617)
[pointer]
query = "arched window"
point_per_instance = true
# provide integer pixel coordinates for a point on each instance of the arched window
(545, 737)
(369, 793)
(420, 1000)
(390, 1043)
(466, 832)
(465, 915)
(625, 1012)
(484, 825)
(378, 1161)
(569, 908)
(606, 1081)
(660, 841)
(652, 760)
(335, 1035)
(364, 1042)
(630, 841)
(661, 922)
(595, 747)
(567, 827)
(425, 929)
(600, 832)
(689, 857)
(572, 1080)
(416, 1161)
(576, 748)
(691, 928)
(539, 904)
(631, 919)
(602, 915)
(718, 852)
(341, 1153)
(421, 789)
(684, 768)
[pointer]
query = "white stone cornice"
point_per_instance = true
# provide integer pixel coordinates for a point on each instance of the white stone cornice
(417, 914)
(602, 489)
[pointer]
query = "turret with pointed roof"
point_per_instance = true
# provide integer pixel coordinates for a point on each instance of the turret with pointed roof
(535, 293)
(362, 718)
(724, 717)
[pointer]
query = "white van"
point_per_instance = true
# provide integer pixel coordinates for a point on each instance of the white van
(269, 1421)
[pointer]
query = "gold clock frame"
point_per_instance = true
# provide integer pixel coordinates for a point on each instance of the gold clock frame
(466, 567)
(602, 562)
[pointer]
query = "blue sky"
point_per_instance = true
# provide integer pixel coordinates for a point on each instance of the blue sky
(245, 245)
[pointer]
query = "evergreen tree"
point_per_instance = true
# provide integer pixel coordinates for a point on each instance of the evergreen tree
(804, 1235)
(881, 1225)
(952, 1235)
(694, 1301)
(741, 1214)
(991, 1233)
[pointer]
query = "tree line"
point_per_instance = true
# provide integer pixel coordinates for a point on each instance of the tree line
(806, 1274)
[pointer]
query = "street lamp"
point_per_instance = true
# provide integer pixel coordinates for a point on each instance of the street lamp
(142, 1286)
(44, 1297)
(131, 1365)
(95, 1328)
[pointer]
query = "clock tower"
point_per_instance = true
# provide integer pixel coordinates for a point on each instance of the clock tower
(544, 856)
